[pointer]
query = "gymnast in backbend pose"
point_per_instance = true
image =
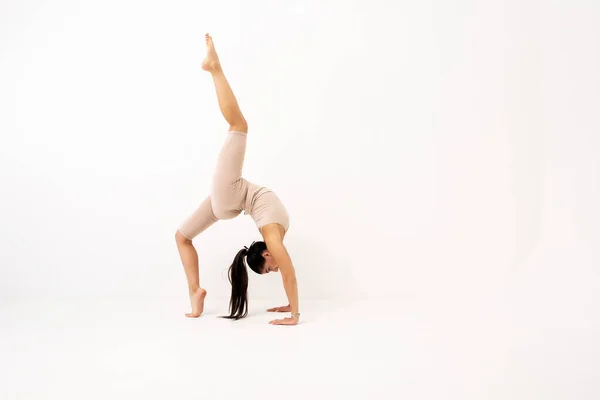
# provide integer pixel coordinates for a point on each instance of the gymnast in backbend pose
(230, 195)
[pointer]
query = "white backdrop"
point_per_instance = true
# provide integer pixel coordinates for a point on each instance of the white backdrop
(406, 140)
(441, 156)
(432, 152)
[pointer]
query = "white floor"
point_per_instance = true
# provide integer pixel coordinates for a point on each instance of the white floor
(100, 349)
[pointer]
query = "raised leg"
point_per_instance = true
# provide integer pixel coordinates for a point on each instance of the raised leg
(227, 101)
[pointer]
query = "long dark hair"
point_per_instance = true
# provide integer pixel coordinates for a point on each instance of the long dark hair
(238, 277)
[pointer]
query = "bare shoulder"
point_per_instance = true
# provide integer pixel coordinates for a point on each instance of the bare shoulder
(272, 233)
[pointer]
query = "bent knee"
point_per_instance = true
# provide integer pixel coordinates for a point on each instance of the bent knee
(180, 239)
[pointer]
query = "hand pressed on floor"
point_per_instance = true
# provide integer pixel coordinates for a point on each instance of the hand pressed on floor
(285, 321)
(280, 309)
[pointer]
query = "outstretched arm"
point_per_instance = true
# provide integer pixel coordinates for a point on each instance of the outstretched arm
(276, 248)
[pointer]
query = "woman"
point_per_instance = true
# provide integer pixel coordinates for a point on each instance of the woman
(232, 194)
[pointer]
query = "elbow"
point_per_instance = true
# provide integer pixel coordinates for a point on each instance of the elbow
(289, 279)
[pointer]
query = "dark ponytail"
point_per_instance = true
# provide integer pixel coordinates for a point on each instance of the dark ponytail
(238, 277)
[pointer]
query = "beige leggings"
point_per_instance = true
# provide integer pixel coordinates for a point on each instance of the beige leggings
(231, 194)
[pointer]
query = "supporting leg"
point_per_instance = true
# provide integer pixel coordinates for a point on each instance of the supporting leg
(200, 220)
(189, 258)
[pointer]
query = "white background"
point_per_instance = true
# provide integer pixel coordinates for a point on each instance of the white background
(434, 156)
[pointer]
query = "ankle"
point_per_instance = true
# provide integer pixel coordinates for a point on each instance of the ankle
(193, 289)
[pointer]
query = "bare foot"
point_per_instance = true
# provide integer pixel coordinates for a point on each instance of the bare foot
(211, 62)
(197, 300)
